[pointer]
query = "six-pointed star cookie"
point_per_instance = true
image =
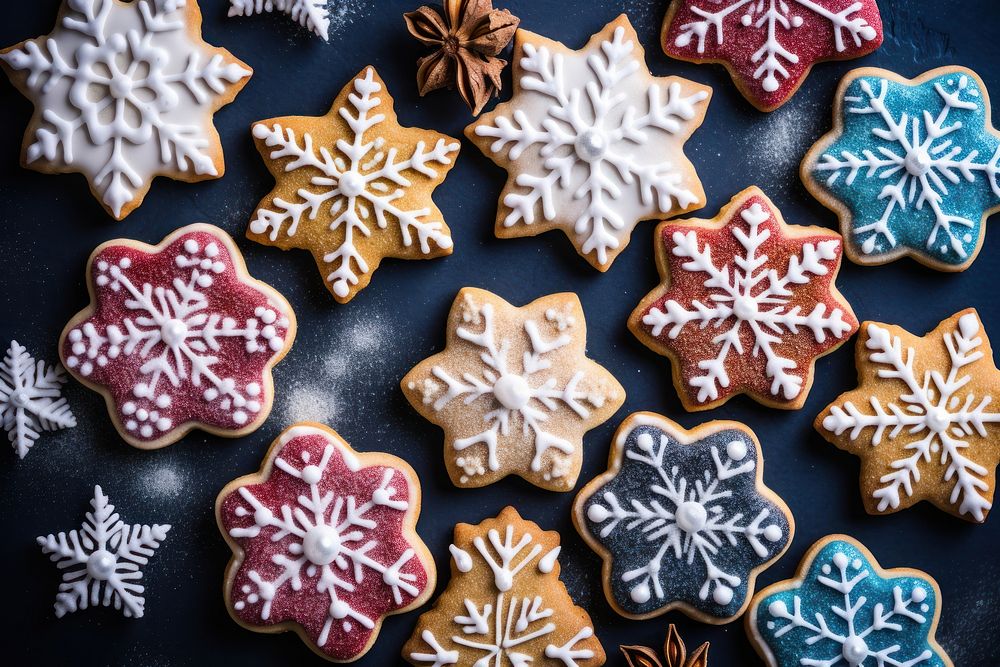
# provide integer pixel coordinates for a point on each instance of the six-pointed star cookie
(924, 417)
(513, 390)
(911, 167)
(769, 46)
(682, 519)
(747, 304)
(353, 186)
(843, 609)
(125, 92)
(592, 142)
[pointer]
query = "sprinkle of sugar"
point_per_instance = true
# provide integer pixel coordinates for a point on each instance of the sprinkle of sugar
(779, 139)
(345, 13)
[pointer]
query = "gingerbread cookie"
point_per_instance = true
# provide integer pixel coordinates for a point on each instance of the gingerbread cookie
(353, 186)
(31, 398)
(513, 390)
(769, 47)
(592, 142)
(682, 519)
(842, 608)
(505, 604)
(910, 167)
(311, 14)
(746, 306)
(178, 336)
(101, 563)
(923, 418)
(324, 542)
(674, 653)
(125, 92)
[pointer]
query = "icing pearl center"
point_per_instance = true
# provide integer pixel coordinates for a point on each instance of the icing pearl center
(351, 184)
(855, 650)
(745, 308)
(938, 419)
(20, 399)
(173, 332)
(918, 162)
(691, 516)
(512, 391)
(120, 86)
(321, 545)
(101, 565)
(591, 145)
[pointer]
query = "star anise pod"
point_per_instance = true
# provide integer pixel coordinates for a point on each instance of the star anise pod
(467, 36)
(674, 653)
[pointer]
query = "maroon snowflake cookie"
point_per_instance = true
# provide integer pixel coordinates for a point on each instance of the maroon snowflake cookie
(324, 542)
(178, 336)
(769, 46)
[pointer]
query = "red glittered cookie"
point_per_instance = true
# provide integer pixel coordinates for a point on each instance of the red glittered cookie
(324, 542)
(178, 336)
(746, 305)
(769, 46)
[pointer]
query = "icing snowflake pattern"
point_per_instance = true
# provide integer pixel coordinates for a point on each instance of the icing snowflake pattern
(768, 291)
(507, 617)
(311, 14)
(683, 522)
(101, 563)
(178, 336)
(325, 541)
(499, 393)
(361, 171)
(31, 398)
(593, 142)
(940, 423)
(843, 610)
(124, 93)
(916, 165)
(770, 45)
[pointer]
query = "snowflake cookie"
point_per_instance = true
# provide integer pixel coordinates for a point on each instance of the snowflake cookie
(513, 390)
(682, 519)
(747, 304)
(674, 653)
(924, 418)
(769, 46)
(353, 186)
(101, 563)
(592, 142)
(324, 542)
(843, 609)
(125, 92)
(178, 336)
(311, 14)
(505, 604)
(30, 398)
(911, 167)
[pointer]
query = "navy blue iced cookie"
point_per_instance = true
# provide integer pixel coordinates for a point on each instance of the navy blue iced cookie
(682, 519)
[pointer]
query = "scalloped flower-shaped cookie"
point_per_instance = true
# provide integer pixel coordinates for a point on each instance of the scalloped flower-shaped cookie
(682, 519)
(324, 542)
(514, 390)
(178, 336)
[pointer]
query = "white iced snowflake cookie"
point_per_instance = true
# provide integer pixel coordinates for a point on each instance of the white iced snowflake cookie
(125, 92)
(31, 398)
(592, 142)
(311, 14)
(101, 563)
(513, 390)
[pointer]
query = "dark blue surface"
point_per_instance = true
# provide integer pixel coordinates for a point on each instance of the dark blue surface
(346, 362)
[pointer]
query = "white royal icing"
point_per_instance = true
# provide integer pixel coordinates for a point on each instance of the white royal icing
(30, 398)
(312, 14)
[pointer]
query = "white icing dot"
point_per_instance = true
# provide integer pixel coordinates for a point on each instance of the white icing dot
(102, 281)
(825, 568)
(919, 594)
(191, 246)
(723, 595)
(311, 474)
(87, 368)
(737, 449)
(79, 348)
(772, 533)
(263, 516)
(339, 609)
(212, 249)
(777, 608)
(146, 430)
(131, 425)
(840, 560)
(163, 424)
(268, 316)
(240, 417)
(125, 262)
(253, 389)
(163, 401)
(640, 594)
(597, 513)
(75, 335)
(746, 19)
(645, 442)
(925, 608)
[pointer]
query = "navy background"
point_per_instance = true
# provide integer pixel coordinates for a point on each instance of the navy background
(347, 359)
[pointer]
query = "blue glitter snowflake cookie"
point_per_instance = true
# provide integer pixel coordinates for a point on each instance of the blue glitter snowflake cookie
(682, 519)
(843, 609)
(912, 167)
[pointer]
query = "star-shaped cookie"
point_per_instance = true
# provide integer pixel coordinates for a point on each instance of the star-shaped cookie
(124, 92)
(924, 417)
(747, 304)
(592, 142)
(353, 186)
(769, 46)
(513, 390)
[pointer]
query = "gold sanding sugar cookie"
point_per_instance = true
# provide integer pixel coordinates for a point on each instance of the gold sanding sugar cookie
(514, 390)
(923, 418)
(505, 602)
(124, 92)
(353, 186)
(592, 142)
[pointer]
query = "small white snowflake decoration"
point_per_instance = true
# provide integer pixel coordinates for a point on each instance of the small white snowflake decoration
(101, 563)
(30, 398)
(311, 14)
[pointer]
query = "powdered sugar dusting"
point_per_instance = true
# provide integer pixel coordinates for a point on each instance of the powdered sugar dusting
(777, 142)
(344, 13)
